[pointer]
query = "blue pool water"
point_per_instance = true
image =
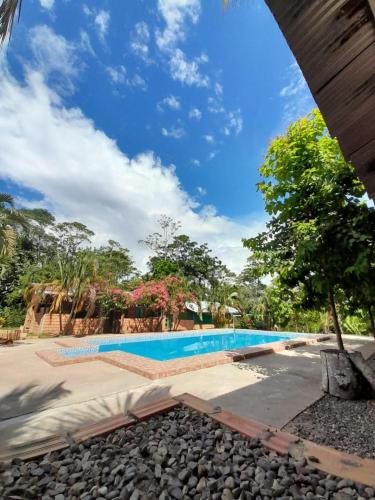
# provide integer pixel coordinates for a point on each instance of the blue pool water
(172, 346)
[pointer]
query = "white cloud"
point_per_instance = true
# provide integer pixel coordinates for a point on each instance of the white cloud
(186, 71)
(174, 132)
(215, 105)
(296, 96)
(218, 89)
(234, 123)
(212, 155)
(81, 174)
(137, 81)
(140, 42)
(102, 19)
(195, 113)
(54, 56)
(47, 4)
(210, 139)
(176, 13)
(85, 44)
(201, 190)
(117, 74)
(171, 102)
(195, 162)
(86, 10)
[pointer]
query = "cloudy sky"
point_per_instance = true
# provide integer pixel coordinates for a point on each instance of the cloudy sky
(114, 112)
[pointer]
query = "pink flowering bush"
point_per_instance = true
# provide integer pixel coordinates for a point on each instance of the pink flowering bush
(166, 296)
(152, 295)
(114, 300)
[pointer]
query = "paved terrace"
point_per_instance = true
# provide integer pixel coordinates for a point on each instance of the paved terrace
(37, 399)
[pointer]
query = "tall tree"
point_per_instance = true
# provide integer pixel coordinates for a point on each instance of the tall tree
(11, 220)
(8, 11)
(315, 236)
(114, 263)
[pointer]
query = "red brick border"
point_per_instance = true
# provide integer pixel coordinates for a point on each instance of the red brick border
(154, 369)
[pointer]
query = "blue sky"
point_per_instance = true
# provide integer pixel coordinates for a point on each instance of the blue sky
(114, 112)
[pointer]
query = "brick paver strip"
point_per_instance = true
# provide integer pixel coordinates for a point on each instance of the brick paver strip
(154, 408)
(338, 463)
(197, 404)
(154, 369)
(102, 427)
(34, 449)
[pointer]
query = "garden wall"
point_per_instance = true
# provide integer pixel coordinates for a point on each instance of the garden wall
(49, 324)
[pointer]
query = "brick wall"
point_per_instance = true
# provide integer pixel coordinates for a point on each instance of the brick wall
(140, 325)
(49, 324)
(204, 327)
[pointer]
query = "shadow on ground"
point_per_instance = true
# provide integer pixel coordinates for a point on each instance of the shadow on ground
(285, 385)
(29, 418)
(30, 398)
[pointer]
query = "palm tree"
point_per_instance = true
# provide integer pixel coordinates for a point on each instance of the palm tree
(8, 11)
(75, 286)
(10, 220)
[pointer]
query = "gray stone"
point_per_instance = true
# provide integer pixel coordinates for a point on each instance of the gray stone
(229, 482)
(227, 495)
(103, 490)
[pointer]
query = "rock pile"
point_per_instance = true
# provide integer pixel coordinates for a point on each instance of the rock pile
(179, 455)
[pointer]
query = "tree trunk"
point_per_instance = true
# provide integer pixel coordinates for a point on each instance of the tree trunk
(372, 322)
(99, 326)
(338, 375)
(336, 324)
(60, 319)
(365, 367)
(71, 318)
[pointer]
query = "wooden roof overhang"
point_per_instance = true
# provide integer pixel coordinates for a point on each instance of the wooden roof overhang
(334, 44)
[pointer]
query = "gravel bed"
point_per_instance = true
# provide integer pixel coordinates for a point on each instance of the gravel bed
(346, 425)
(179, 455)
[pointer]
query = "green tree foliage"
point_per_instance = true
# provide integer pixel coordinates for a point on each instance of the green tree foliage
(192, 261)
(321, 233)
(179, 255)
(114, 263)
(44, 254)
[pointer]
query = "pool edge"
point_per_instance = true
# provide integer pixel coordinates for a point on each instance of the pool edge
(153, 369)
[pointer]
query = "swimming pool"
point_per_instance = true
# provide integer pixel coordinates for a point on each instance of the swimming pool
(168, 346)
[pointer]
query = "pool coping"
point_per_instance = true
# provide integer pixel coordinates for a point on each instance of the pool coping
(153, 369)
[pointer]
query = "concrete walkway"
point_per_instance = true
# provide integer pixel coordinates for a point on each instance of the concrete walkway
(37, 399)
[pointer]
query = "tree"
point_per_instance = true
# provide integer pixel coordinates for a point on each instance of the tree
(316, 235)
(165, 297)
(10, 220)
(71, 236)
(191, 260)
(8, 11)
(115, 265)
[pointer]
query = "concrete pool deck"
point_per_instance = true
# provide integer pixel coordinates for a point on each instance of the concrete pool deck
(37, 399)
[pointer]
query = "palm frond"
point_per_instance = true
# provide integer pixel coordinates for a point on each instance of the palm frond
(6, 199)
(8, 11)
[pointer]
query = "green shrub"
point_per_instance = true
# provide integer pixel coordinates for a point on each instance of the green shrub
(355, 325)
(13, 317)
